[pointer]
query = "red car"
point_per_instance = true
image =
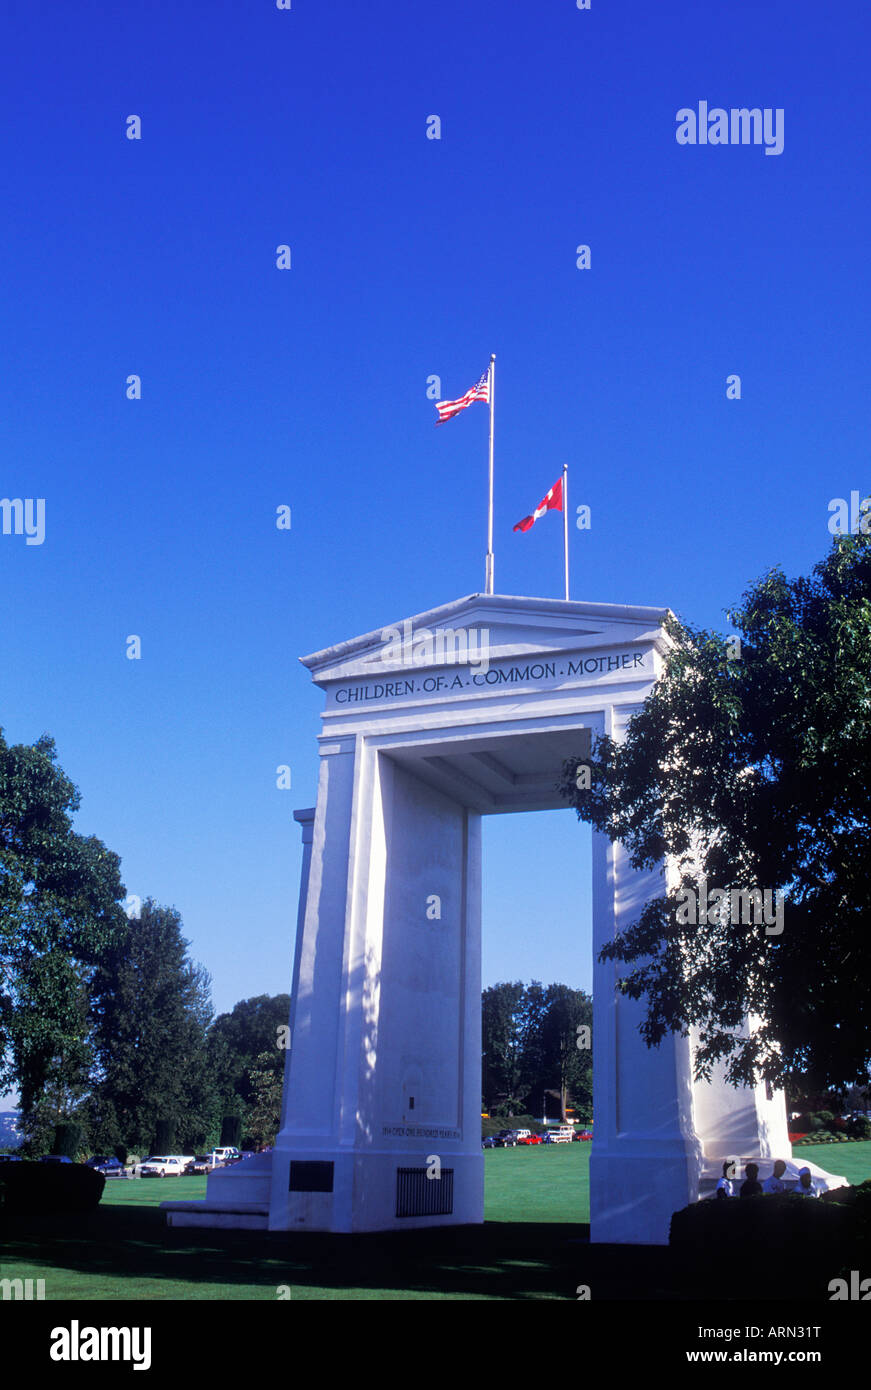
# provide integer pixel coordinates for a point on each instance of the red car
(531, 1139)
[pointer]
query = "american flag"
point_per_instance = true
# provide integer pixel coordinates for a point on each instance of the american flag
(479, 392)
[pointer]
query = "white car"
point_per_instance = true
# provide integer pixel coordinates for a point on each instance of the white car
(564, 1135)
(166, 1166)
(221, 1157)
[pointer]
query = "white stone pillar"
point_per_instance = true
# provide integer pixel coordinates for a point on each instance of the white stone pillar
(305, 820)
(383, 1076)
(646, 1160)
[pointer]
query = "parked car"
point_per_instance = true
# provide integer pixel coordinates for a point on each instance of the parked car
(201, 1164)
(11, 1158)
(505, 1139)
(489, 1142)
(527, 1138)
(116, 1170)
(584, 1134)
(222, 1156)
(104, 1163)
(55, 1158)
(564, 1135)
(522, 1134)
(165, 1165)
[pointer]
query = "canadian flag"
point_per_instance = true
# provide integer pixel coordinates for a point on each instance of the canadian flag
(553, 501)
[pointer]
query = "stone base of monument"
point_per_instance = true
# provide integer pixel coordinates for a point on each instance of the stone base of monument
(345, 1192)
(329, 1190)
(237, 1198)
(385, 1190)
(632, 1195)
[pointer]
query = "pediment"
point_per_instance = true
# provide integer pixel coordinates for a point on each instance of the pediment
(512, 627)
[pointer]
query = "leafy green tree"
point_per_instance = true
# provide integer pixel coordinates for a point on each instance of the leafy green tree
(151, 1010)
(530, 1046)
(748, 766)
(501, 1071)
(238, 1039)
(552, 1059)
(60, 910)
(264, 1114)
(567, 1011)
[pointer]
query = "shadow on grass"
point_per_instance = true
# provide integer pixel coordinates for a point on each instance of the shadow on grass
(498, 1260)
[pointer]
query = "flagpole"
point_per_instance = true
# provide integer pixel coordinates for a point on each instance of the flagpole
(488, 571)
(566, 523)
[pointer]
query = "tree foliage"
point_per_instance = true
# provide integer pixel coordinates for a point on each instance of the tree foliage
(530, 1045)
(752, 770)
(237, 1041)
(151, 1011)
(264, 1114)
(60, 909)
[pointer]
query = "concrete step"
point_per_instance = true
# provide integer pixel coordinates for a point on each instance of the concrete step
(227, 1216)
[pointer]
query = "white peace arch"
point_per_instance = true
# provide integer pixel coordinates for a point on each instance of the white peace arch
(384, 1067)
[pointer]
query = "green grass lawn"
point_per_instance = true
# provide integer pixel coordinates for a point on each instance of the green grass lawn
(850, 1161)
(534, 1245)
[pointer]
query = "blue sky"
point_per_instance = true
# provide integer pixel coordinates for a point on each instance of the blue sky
(307, 387)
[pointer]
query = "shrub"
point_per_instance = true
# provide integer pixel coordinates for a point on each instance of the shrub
(497, 1122)
(67, 1140)
(33, 1188)
(231, 1131)
(750, 1244)
(164, 1137)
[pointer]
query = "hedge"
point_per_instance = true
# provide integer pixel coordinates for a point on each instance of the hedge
(38, 1187)
(835, 1227)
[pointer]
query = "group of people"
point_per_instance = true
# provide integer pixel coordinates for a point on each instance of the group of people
(752, 1187)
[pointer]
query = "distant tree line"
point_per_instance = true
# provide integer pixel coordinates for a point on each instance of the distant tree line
(530, 1049)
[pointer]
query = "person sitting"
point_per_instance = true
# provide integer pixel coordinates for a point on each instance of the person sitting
(806, 1186)
(751, 1188)
(724, 1186)
(775, 1183)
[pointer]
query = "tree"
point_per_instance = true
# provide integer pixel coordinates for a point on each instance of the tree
(552, 1059)
(238, 1039)
(531, 1045)
(60, 911)
(151, 1010)
(264, 1115)
(748, 767)
(567, 1011)
(501, 1072)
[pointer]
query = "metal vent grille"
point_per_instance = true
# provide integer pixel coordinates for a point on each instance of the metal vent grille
(311, 1177)
(418, 1195)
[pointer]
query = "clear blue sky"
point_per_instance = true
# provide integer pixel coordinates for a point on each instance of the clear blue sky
(307, 387)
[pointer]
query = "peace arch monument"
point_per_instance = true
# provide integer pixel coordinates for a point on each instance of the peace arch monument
(383, 1073)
